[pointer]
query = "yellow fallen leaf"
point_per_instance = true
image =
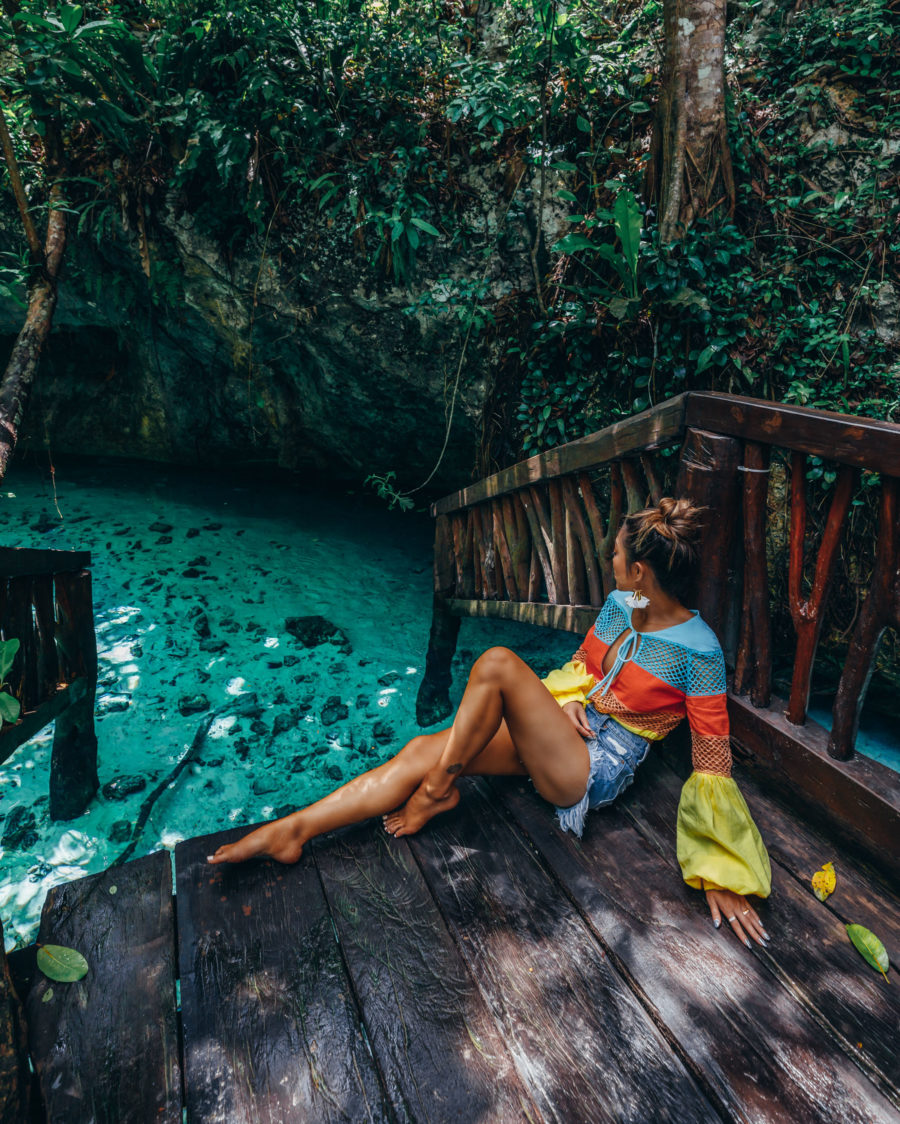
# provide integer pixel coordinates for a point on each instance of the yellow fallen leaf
(824, 881)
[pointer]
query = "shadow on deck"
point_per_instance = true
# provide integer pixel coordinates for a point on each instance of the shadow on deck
(489, 969)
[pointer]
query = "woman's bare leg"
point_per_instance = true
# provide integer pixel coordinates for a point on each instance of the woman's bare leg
(508, 723)
(502, 689)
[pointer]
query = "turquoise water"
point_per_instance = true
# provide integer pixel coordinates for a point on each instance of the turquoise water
(169, 546)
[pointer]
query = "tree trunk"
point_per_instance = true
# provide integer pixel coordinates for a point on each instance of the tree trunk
(689, 174)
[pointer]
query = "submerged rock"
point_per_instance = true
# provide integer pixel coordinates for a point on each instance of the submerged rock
(120, 832)
(111, 704)
(193, 704)
(382, 733)
(121, 787)
(333, 711)
(160, 528)
(315, 630)
(19, 831)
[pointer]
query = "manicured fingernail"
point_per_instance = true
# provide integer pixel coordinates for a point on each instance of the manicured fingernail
(209, 858)
(747, 943)
(717, 922)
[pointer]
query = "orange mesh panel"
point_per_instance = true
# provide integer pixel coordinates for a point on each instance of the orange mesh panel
(654, 725)
(580, 656)
(711, 754)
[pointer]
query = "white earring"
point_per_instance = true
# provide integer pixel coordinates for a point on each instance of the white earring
(636, 600)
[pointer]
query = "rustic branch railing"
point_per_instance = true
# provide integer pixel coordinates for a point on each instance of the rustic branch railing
(46, 604)
(534, 542)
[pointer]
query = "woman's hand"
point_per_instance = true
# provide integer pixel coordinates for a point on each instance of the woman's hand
(578, 718)
(739, 913)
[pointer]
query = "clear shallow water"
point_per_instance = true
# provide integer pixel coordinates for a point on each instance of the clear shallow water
(249, 556)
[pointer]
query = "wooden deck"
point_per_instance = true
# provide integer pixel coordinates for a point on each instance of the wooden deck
(489, 969)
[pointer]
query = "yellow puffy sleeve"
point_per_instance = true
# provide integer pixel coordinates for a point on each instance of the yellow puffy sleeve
(717, 840)
(570, 683)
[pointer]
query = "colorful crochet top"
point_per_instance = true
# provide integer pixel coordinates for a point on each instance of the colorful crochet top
(657, 679)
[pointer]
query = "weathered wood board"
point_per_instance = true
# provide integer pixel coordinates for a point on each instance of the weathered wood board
(271, 1029)
(834, 983)
(581, 1039)
(441, 1054)
(106, 1047)
(763, 1055)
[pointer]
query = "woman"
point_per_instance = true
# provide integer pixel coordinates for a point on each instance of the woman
(581, 732)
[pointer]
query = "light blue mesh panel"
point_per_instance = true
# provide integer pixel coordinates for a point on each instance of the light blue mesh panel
(611, 622)
(667, 661)
(707, 674)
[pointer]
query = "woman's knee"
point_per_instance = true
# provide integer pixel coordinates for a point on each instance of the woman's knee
(422, 749)
(494, 664)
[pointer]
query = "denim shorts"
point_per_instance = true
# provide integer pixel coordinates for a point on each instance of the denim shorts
(615, 753)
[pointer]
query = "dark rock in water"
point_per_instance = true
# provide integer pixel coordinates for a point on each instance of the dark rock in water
(306, 706)
(362, 701)
(213, 645)
(334, 773)
(201, 623)
(120, 788)
(163, 540)
(212, 527)
(193, 704)
(215, 762)
(298, 763)
(365, 661)
(284, 810)
(19, 832)
(36, 873)
(242, 748)
(112, 704)
(289, 661)
(259, 727)
(160, 528)
(137, 650)
(265, 784)
(284, 722)
(274, 664)
(190, 573)
(199, 561)
(320, 750)
(192, 532)
(280, 698)
(333, 711)
(137, 546)
(120, 832)
(315, 630)
(229, 626)
(382, 733)
(388, 678)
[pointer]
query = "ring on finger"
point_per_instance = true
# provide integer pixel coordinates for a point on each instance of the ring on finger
(732, 918)
(744, 912)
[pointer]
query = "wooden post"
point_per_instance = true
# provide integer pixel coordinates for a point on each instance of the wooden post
(15, 1077)
(753, 668)
(73, 764)
(808, 614)
(433, 699)
(708, 475)
(881, 600)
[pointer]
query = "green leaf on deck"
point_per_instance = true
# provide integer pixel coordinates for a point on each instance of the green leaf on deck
(60, 963)
(114, 889)
(8, 649)
(48, 995)
(824, 881)
(9, 707)
(869, 948)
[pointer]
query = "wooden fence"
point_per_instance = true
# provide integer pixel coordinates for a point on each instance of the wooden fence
(45, 603)
(534, 543)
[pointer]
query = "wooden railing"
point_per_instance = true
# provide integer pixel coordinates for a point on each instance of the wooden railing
(46, 604)
(533, 543)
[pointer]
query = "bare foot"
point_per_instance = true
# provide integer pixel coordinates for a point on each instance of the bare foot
(417, 811)
(279, 840)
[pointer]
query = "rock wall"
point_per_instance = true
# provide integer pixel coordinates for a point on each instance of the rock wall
(302, 358)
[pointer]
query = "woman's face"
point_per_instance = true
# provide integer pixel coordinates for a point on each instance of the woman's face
(620, 566)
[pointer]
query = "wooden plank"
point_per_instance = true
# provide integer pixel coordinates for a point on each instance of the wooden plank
(15, 1075)
(18, 624)
(567, 618)
(271, 1030)
(753, 667)
(18, 561)
(45, 625)
(106, 1048)
(860, 798)
(839, 437)
(433, 1035)
(582, 1041)
(810, 953)
(657, 426)
(763, 1056)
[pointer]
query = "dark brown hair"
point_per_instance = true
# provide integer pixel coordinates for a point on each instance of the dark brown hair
(667, 539)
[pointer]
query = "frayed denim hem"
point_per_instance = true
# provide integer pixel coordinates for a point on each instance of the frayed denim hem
(573, 818)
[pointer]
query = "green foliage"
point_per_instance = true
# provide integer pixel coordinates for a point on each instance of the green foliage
(10, 707)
